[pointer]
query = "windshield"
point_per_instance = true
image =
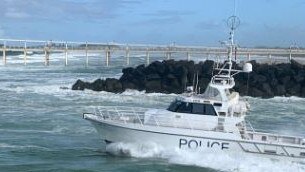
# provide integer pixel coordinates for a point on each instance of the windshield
(211, 93)
(192, 108)
(174, 105)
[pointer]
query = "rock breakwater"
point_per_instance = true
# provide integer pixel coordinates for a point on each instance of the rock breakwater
(266, 80)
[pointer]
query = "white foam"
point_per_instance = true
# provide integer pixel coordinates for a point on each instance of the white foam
(82, 130)
(288, 99)
(278, 99)
(145, 150)
(219, 160)
(11, 146)
(131, 92)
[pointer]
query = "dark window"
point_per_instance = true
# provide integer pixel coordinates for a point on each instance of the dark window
(209, 110)
(194, 108)
(302, 154)
(185, 107)
(270, 151)
(217, 104)
(174, 105)
(222, 113)
(203, 109)
(198, 109)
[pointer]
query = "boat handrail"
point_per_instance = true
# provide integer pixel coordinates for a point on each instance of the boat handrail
(249, 126)
(136, 115)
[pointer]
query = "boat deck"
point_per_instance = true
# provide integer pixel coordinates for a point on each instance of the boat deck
(136, 116)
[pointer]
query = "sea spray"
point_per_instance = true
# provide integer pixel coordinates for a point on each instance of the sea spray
(140, 150)
(231, 162)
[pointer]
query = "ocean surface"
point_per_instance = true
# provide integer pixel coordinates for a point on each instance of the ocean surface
(41, 125)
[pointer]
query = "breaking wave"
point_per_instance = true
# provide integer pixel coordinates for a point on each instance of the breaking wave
(219, 161)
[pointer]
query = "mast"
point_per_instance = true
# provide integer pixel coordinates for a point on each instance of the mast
(232, 22)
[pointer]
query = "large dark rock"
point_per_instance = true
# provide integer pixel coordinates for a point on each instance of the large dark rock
(280, 90)
(79, 85)
(266, 80)
(153, 86)
(113, 85)
(296, 65)
(303, 92)
(97, 85)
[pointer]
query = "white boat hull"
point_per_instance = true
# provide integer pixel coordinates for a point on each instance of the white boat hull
(114, 132)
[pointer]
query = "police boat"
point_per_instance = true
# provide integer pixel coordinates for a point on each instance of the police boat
(214, 121)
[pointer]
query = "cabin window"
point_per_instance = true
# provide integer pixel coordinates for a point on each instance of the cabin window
(193, 108)
(270, 151)
(209, 110)
(302, 154)
(174, 105)
(217, 104)
(198, 108)
(203, 109)
(211, 92)
(264, 138)
(185, 108)
(222, 113)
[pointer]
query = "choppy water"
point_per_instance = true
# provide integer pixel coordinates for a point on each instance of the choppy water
(41, 125)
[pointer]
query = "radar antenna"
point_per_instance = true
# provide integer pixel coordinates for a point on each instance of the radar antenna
(233, 22)
(226, 73)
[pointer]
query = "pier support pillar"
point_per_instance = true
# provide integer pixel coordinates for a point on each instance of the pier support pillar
(188, 56)
(127, 57)
(168, 55)
(87, 58)
(4, 53)
(25, 54)
(290, 57)
(107, 57)
(47, 50)
(66, 55)
(249, 56)
(47, 57)
(147, 58)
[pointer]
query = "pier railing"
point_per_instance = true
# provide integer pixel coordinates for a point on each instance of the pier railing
(49, 47)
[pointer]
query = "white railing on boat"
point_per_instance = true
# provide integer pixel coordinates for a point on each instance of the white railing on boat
(136, 115)
(121, 113)
(253, 141)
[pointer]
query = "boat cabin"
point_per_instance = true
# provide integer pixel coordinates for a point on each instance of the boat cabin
(216, 109)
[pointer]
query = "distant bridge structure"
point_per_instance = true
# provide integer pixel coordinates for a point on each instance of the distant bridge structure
(49, 47)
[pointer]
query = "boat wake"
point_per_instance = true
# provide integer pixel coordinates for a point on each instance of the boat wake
(218, 161)
(145, 150)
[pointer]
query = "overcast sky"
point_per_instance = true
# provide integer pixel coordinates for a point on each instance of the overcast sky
(185, 22)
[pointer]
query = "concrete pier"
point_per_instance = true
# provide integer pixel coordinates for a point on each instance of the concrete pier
(107, 57)
(147, 58)
(4, 53)
(49, 47)
(127, 57)
(25, 54)
(66, 55)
